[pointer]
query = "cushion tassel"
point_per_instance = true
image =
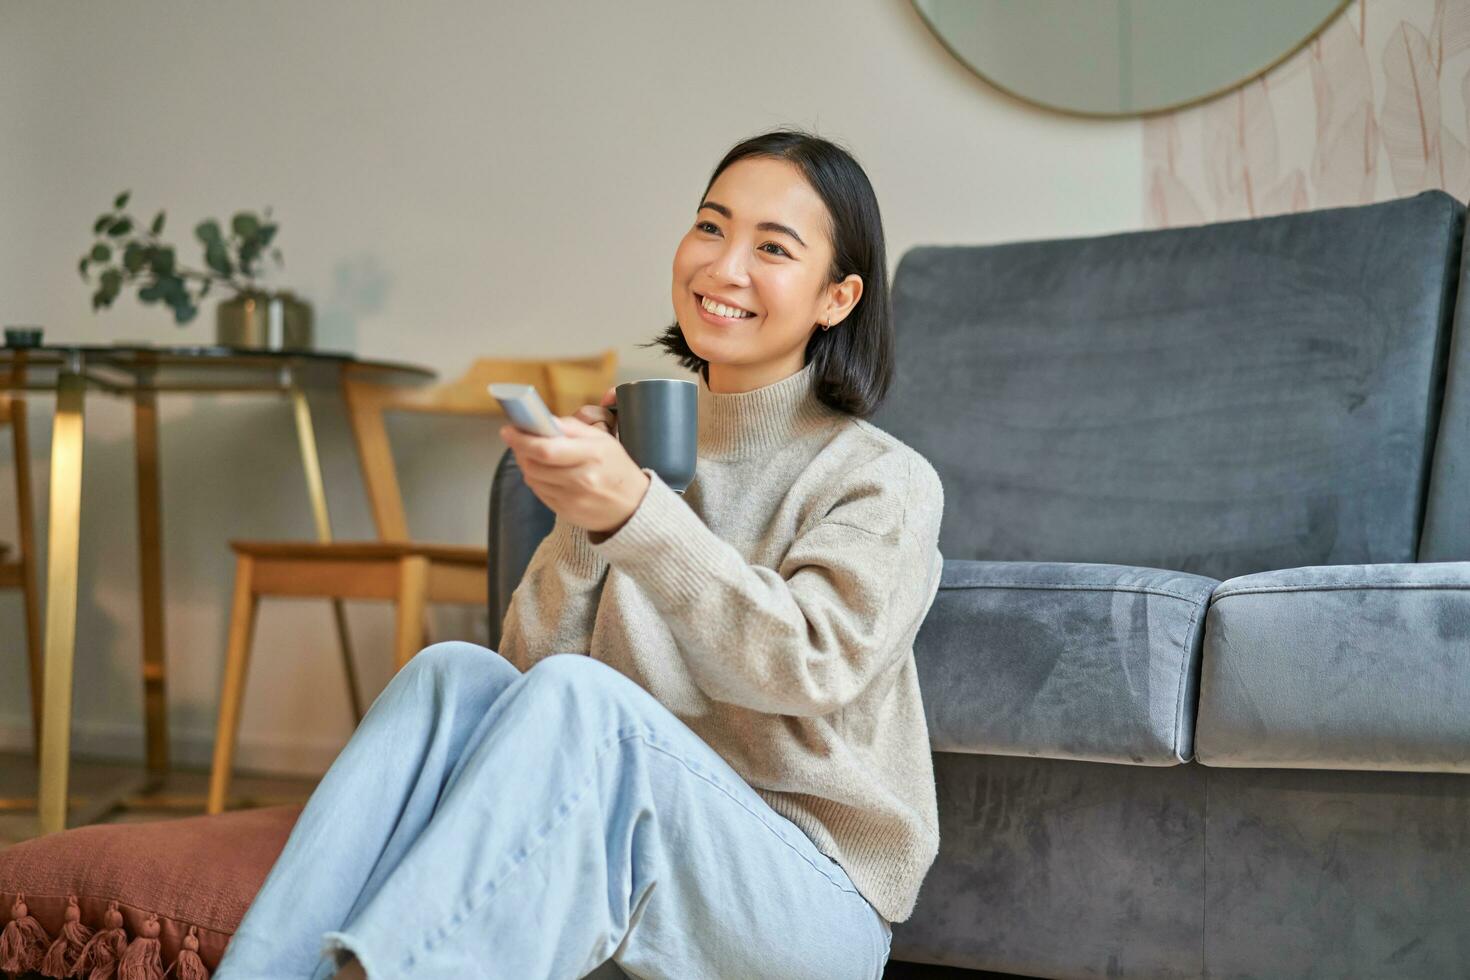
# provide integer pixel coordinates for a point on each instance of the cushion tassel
(23, 943)
(99, 958)
(143, 960)
(191, 967)
(61, 958)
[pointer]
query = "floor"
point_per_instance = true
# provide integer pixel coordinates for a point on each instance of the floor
(18, 778)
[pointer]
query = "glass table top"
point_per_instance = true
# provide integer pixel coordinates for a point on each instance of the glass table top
(129, 366)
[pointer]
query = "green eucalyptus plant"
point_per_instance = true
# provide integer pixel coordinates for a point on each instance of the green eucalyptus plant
(125, 253)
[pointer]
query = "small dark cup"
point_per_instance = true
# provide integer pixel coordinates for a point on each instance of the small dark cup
(658, 424)
(22, 336)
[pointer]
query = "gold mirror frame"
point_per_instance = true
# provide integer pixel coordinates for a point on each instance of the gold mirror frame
(1136, 114)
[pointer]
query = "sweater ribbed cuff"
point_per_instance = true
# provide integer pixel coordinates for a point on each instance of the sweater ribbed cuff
(666, 548)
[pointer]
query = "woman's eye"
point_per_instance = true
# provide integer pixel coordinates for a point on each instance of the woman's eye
(706, 224)
(783, 251)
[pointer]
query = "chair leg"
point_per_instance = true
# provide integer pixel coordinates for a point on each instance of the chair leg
(339, 615)
(33, 649)
(413, 581)
(232, 691)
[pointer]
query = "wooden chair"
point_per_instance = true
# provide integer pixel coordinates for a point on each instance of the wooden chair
(394, 567)
(19, 571)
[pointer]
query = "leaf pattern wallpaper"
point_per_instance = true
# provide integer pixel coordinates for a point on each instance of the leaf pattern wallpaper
(1375, 107)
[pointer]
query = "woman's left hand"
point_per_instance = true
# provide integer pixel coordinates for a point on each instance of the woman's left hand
(585, 476)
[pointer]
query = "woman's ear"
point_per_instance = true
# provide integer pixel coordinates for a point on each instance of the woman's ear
(845, 295)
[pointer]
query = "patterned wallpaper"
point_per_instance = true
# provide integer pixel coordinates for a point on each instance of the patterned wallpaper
(1374, 108)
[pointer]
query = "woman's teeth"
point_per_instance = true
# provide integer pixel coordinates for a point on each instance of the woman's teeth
(720, 309)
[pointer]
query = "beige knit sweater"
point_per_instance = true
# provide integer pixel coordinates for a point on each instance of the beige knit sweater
(772, 608)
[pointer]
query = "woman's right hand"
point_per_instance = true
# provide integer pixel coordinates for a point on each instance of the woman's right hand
(599, 414)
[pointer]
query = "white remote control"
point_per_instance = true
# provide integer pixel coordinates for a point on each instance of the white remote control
(525, 409)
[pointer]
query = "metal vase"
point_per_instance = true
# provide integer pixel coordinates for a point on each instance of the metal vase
(264, 320)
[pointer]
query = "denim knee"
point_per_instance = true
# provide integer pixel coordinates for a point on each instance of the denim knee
(447, 662)
(584, 676)
(572, 669)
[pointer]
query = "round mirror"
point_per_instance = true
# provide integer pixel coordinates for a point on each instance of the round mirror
(1123, 57)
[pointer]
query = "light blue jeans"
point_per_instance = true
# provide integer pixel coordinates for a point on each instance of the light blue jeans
(482, 822)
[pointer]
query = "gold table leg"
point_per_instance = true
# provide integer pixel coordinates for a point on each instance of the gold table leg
(150, 573)
(62, 553)
(64, 532)
(312, 467)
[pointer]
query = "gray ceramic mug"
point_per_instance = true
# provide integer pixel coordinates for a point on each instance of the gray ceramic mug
(658, 424)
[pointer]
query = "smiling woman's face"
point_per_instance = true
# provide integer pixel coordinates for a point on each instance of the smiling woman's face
(758, 243)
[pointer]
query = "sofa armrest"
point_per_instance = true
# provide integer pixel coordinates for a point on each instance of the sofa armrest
(518, 522)
(1339, 667)
(1063, 660)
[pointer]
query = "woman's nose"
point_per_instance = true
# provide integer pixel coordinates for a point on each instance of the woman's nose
(727, 269)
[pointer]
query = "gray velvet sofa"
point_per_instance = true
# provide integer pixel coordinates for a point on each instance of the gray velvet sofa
(1198, 673)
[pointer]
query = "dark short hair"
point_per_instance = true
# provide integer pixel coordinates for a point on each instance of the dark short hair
(852, 362)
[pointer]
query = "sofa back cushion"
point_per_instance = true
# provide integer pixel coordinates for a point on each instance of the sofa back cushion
(1446, 533)
(1220, 399)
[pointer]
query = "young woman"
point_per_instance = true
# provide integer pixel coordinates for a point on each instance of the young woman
(700, 751)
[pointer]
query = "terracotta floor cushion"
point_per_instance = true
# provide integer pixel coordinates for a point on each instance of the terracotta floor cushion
(159, 896)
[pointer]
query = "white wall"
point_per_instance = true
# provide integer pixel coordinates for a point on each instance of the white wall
(451, 179)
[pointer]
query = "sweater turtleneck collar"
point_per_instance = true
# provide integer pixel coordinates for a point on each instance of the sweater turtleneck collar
(748, 422)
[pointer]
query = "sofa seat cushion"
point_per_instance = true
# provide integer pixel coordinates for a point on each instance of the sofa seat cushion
(1063, 660)
(185, 882)
(1339, 667)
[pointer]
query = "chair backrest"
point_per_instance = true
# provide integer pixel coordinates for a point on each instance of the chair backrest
(1219, 399)
(564, 385)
